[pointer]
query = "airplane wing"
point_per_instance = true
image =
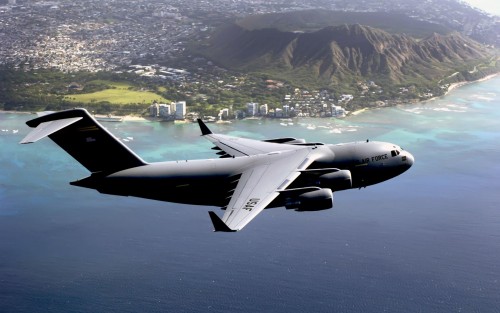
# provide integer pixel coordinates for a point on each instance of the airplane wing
(260, 184)
(236, 146)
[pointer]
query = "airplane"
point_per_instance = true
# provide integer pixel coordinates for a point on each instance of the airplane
(248, 177)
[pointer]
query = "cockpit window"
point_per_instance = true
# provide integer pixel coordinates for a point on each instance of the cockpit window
(394, 153)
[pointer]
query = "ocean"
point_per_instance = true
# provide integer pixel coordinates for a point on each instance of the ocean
(426, 241)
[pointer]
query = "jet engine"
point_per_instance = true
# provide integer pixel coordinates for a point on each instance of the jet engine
(316, 200)
(339, 180)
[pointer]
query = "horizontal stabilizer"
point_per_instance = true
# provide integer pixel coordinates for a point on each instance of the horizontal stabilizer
(80, 135)
(48, 128)
(40, 114)
(219, 225)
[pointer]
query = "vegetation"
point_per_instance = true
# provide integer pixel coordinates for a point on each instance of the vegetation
(52, 90)
(106, 93)
(207, 94)
(116, 93)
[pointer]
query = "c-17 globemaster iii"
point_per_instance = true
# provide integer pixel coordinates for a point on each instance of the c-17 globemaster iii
(249, 176)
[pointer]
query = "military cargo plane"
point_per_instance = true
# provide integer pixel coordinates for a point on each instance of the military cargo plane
(248, 177)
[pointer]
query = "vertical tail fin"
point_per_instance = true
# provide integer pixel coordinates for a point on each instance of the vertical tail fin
(80, 135)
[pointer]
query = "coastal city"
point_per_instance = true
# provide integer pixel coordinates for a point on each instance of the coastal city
(105, 35)
(150, 39)
(300, 104)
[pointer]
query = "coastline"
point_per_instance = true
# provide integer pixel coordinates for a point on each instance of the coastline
(359, 111)
(454, 86)
(134, 118)
(451, 87)
(460, 84)
(128, 118)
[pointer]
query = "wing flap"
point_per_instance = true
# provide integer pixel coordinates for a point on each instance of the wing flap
(259, 185)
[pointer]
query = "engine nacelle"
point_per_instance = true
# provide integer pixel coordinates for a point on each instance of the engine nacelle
(339, 180)
(316, 200)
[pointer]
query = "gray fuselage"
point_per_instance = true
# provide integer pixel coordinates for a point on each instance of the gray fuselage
(208, 182)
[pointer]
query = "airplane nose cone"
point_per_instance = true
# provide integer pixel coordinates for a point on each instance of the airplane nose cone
(409, 159)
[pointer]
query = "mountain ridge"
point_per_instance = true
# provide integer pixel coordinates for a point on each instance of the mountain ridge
(316, 19)
(335, 53)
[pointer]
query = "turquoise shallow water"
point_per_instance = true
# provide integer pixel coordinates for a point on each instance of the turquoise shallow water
(427, 241)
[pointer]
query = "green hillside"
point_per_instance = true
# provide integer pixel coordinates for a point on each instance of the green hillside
(117, 93)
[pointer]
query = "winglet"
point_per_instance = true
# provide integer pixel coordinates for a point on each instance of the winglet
(219, 225)
(204, 128)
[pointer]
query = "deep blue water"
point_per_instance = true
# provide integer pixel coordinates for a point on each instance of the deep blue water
(427, 241)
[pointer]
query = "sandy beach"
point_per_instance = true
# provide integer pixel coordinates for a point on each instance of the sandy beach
(460, 84)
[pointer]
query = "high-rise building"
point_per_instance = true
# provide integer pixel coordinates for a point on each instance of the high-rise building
(154, 110)
(164, 110)
(180, 110)
(264, 109)
(286, 108)
(252, 108)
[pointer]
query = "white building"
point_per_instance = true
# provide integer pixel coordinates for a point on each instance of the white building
(172, 107)
(338, 111)
(264, 109)
(286, 109)
(252, 108)
(164, 110)
(154, 110)
(224, 114)
(180, 110)
(346, 98)
(278, 113)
